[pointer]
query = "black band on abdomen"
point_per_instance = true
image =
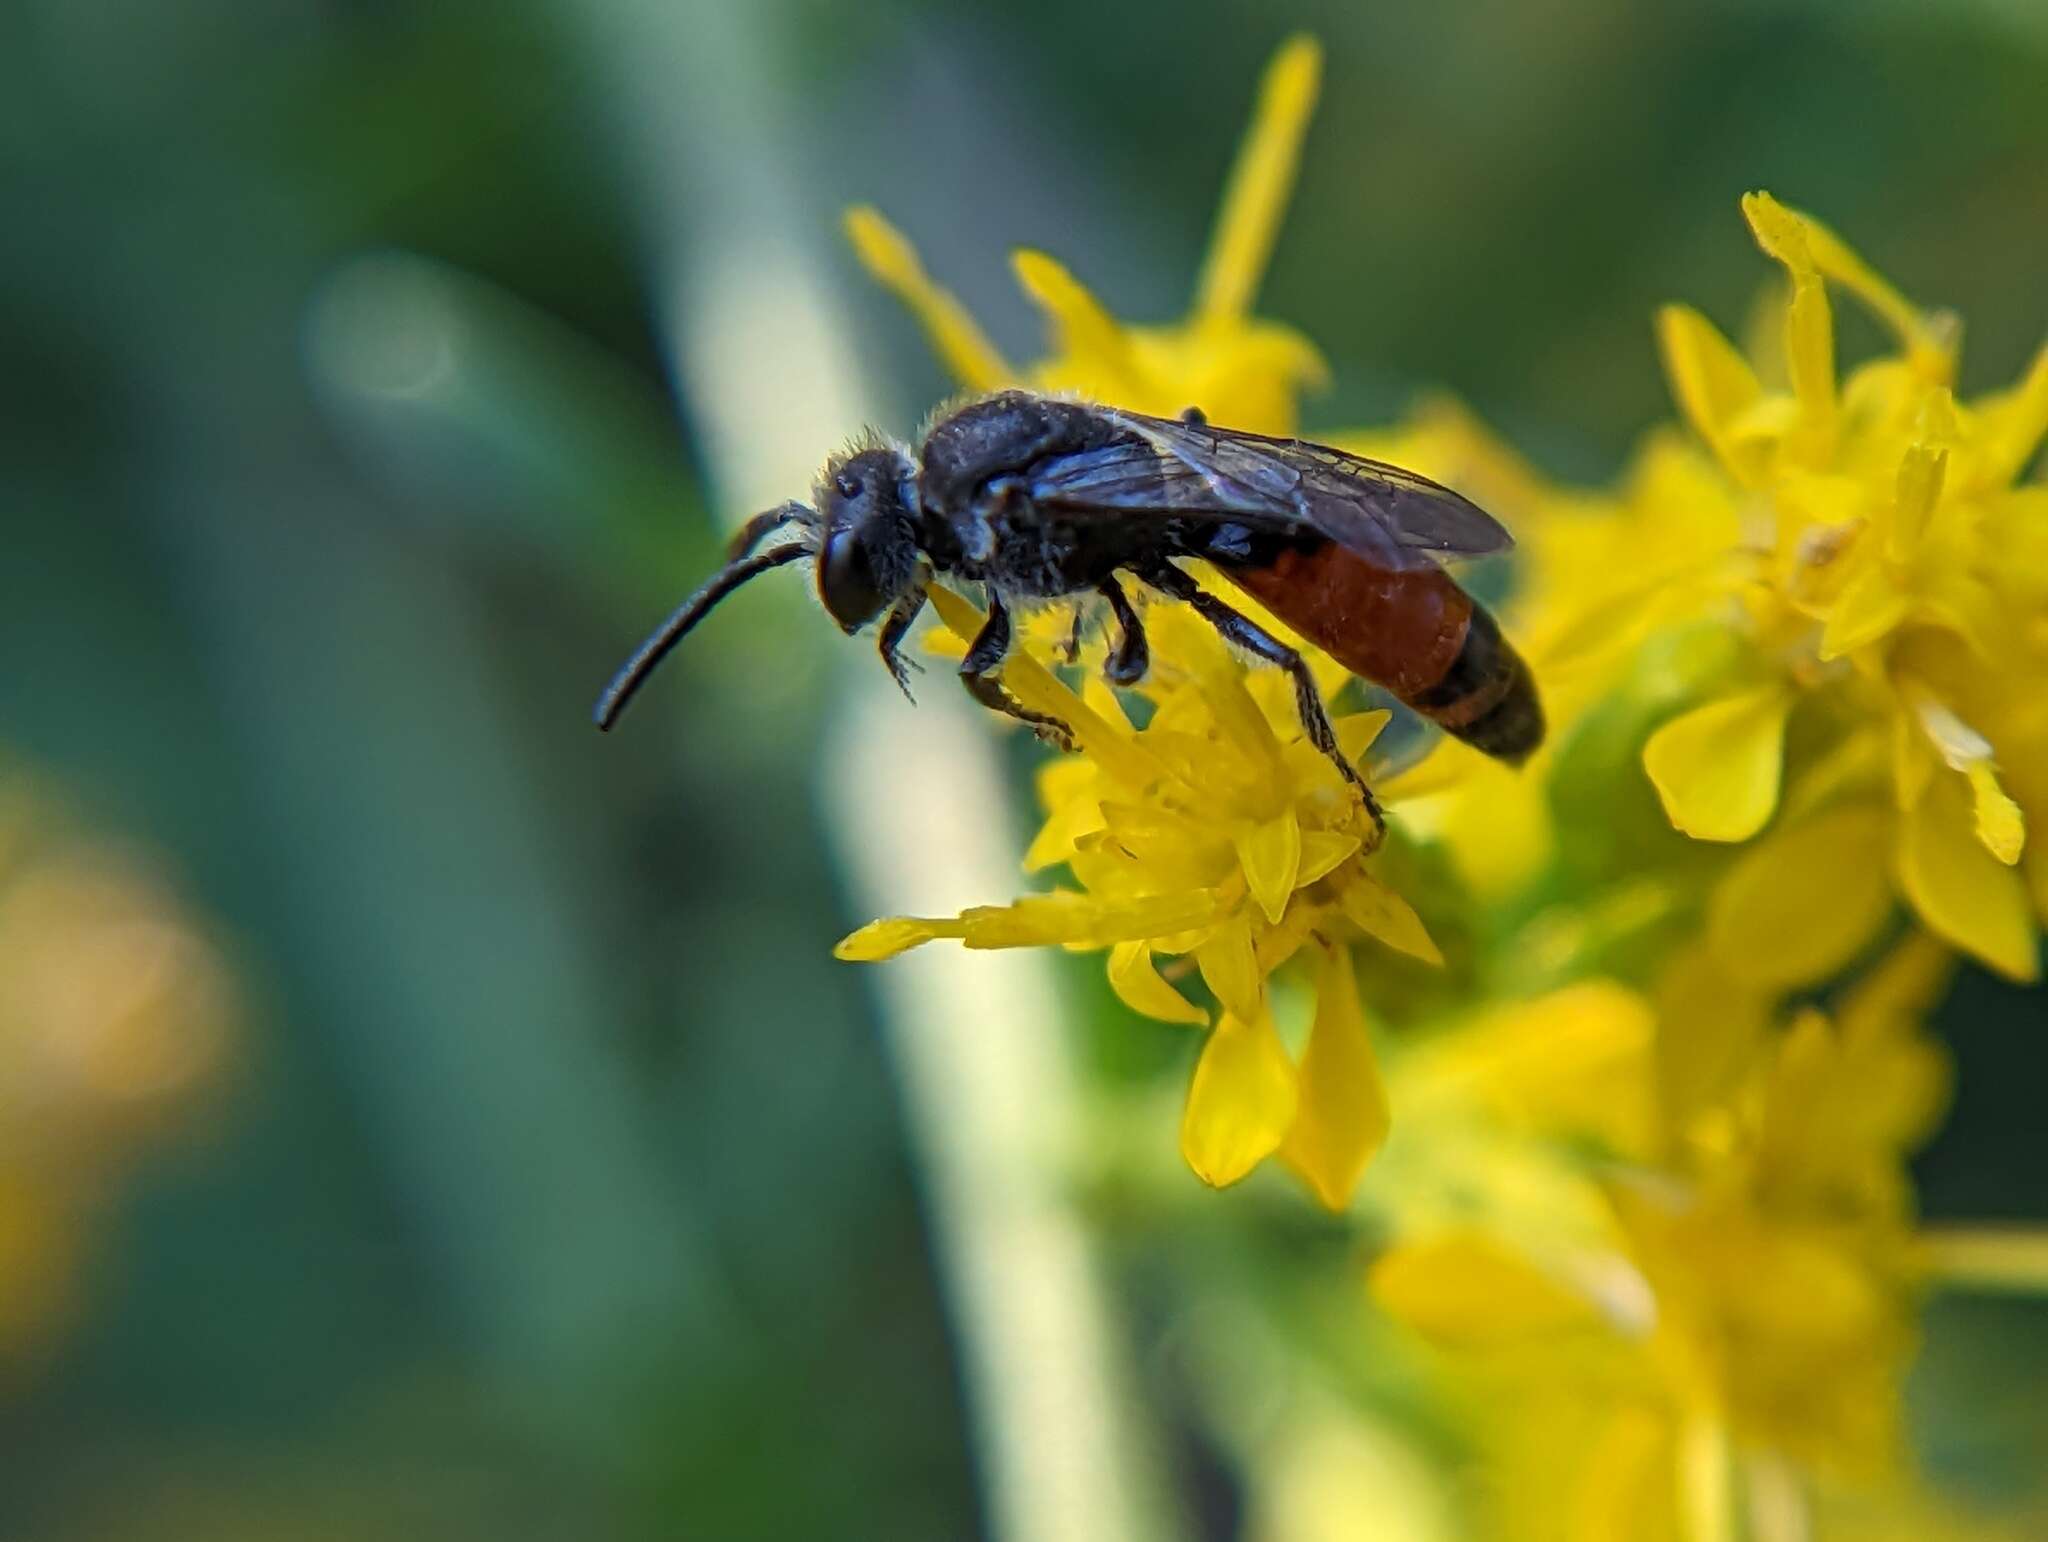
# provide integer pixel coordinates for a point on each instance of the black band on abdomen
(1487, 697)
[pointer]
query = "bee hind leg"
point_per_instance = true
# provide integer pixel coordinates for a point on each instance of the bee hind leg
(1242, 632)
(978, 673)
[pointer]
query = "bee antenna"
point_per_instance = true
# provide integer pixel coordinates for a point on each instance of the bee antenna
(634, 672)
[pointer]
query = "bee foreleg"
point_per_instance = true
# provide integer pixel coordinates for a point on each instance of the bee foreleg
(890, 643)
(1242, 632)
(978, 671)
(1131, 657)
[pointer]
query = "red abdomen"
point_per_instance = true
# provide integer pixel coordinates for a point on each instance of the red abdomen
(1412, 630)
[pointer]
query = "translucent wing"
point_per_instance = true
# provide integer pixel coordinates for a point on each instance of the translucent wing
(1170, 466)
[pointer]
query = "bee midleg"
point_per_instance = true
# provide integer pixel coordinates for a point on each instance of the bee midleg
(1132, 656)
(1070, 650)
(890, 643)
(978, 673)
(1241, 631)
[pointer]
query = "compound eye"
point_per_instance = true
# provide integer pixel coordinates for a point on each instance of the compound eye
(846, 582)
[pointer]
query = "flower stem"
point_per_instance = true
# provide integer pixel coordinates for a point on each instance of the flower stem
(986, 1086)
(1994, 1259)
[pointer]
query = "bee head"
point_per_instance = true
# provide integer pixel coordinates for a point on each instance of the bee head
(867, 551)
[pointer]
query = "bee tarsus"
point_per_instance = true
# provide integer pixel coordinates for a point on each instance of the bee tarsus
(979, 672)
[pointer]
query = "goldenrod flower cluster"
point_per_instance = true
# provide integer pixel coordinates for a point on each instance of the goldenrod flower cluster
(1874, 576)
(113, 1009)
(1635, 1167)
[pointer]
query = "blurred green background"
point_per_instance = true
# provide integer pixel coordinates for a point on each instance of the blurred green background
(558, 1183)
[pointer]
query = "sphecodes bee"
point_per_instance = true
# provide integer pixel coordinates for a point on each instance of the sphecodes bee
(1036, 497)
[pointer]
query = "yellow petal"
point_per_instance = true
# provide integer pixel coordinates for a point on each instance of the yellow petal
(1270, 853)
(1240, 1102)
(1061, 919)
(1959, 889)
(1230, 968)
(1912, 761)
(1246, 731)
(2015, 424)
(1244, 373)
(1089, 341)
(1717, 767)
(1921, 472)
(1273, 946)
(1063, 827)
(1939, 425)
(1260, 182)
(1497, 825)
(1064, 919)
(1357, 731)
(1706, 1480)
(1341, 1118)
(1900, 989)
(1466, 1289)
(1809, 324)
(1867, 609)
(1379, 912)
(892, 261)
(1178, 851)
(1138, 986)
(1836, 259)
(1707, 1029)
(1322, 853)
(1624, 1492)
(2000, 825)
(1713, 383)
(1575, 1062)
(887, 938)
(1803, 901)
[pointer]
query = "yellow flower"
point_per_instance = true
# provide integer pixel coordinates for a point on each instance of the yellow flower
(1238, 369)
(1217, 832)
(1862, 536)
(1655, 1225)
(1214, 831)
(113, 1009)
(1742, 1294)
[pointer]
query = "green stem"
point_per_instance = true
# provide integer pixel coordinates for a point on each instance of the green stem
(916, 803)
(1996, 1259)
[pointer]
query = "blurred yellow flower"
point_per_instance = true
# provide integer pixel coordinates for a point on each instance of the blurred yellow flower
(1743, 1293)
(1864, 538)
(113, 1009)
